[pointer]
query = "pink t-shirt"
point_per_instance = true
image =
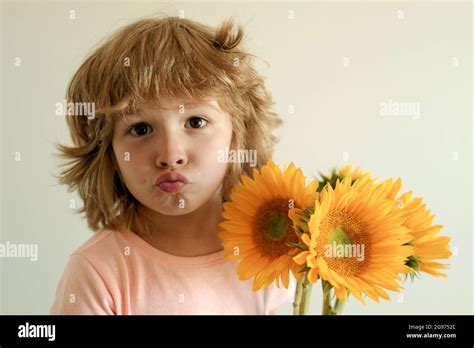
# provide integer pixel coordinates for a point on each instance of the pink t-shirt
(119, 273)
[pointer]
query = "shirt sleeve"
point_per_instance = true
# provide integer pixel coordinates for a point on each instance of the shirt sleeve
(82, 290)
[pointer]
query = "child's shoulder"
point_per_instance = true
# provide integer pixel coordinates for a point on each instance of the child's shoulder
(105, 241)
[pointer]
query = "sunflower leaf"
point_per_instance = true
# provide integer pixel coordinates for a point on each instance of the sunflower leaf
(412, 276)
(304, 269)
(414, 262)
(301, 246)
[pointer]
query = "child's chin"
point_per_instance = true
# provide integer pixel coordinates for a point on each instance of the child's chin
(174, 212)
(175, 208)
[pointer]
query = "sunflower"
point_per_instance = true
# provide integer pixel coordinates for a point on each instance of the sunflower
(427, 245)
(356, 216)
(257, 230)
(354, 173)
(341, 174)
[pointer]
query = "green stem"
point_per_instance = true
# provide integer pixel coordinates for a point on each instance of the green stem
(328, 308)
(298, 293)
(326, 297)
(338, 306)
(306, 295)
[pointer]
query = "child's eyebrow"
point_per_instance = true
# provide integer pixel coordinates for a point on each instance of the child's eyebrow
(196, 105)
(187, 106)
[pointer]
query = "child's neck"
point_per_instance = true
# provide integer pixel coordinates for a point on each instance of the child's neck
(193, 234)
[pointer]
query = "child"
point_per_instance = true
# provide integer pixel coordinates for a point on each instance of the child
(170, 94)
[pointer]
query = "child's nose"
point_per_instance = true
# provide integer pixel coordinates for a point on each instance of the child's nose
(171, 163)
(170, 152)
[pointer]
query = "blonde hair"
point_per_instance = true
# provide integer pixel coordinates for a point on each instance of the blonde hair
(148, 60)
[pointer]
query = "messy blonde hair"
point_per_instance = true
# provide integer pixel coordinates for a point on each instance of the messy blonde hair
(148, 60)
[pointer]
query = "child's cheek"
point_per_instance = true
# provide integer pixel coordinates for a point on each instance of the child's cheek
(207, 149)
(132, 160)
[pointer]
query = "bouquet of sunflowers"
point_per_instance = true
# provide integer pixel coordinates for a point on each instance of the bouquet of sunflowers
(357, 235)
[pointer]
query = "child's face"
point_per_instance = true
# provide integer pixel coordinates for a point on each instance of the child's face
(184, 137)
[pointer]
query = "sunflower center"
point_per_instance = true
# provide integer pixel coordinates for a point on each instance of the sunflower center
(339, 237)
(276, 226)
(343, 243)
(272, 230)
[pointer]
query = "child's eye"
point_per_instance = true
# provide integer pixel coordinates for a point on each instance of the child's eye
(139, 129)
(196, 122)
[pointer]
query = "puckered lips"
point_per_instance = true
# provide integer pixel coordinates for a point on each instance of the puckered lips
(171, 182)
